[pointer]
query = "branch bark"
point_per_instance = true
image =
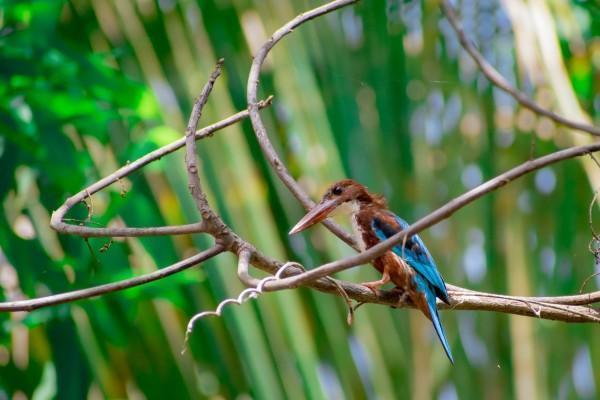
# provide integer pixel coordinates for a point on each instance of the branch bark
(67, 297)
(191, 160)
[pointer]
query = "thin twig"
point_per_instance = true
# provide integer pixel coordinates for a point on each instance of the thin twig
(191, 160)
(593, 157)
(347, 299)
(594, 245)
(595, 236)
(58, 216)
(586, 280)
(249, 293)
(89, 206)
(499, 81)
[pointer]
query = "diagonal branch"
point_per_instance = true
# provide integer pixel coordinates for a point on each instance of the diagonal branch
(67, 297)
(213, 223)
(498, 80)
(436, 216)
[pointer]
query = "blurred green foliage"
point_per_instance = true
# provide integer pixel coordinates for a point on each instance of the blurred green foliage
(379, 92)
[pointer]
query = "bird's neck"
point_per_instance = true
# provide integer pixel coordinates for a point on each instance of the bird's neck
(356, 210)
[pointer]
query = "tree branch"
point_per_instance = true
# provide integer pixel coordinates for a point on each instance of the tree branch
(39, 302)
(499, 81)
(190, 147)
(258, 125)
(436, 216)
(560, 308)
(56, 222)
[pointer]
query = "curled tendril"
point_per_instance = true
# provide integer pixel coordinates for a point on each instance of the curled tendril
(250, 293)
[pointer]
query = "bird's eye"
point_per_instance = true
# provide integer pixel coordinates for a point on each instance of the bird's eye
(337, 190)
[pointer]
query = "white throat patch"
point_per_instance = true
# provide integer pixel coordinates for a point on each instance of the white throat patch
(356, 228)
(351, 209)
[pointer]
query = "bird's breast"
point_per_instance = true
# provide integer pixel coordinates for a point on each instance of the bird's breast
(359, 233)
(363, 229)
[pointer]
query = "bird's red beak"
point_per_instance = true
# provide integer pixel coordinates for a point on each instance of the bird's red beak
(314, 216)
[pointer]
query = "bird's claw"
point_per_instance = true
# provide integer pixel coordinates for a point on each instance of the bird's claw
(372, 287)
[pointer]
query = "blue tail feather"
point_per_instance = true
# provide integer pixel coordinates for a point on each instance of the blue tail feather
(424, 287)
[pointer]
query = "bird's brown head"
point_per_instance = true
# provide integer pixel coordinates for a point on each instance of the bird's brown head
(340, 193)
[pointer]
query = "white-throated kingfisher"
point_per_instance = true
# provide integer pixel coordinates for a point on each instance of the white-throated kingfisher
(409, 266)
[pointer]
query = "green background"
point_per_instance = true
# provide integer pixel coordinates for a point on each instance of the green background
(380, 92)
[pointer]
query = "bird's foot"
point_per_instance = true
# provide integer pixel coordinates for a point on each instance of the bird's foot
(374, 286)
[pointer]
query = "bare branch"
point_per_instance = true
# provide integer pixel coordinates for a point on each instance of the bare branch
(190, 146)
(58, 216)
(498, 80)
(244, 256)
(258, 125)
(559, 308)
(526, 306)
(32, 304)
(436, 216)
(581, 299)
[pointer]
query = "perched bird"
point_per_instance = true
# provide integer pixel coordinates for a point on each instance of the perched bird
(408, 265)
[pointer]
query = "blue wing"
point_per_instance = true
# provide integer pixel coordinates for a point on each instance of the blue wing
(414, 252)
